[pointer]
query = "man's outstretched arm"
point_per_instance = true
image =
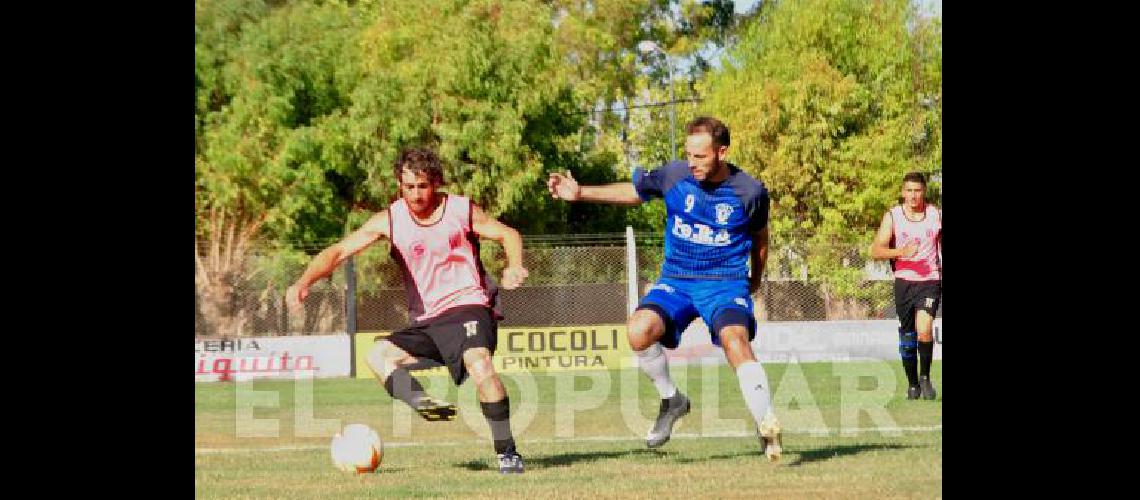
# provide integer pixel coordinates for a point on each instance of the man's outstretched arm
(564, 187)
(327, 261)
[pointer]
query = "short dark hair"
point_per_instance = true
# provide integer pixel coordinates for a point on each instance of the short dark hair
(715, 128)
(915, 177)
(417, 160)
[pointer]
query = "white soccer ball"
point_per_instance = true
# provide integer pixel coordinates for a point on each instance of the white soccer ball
(357, 448)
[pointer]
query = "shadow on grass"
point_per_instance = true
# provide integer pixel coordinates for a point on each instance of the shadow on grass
(390, 470)
(563, 459)
(802, 457)
(830, 452)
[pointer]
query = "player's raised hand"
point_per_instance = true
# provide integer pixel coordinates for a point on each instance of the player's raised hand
(295, 295)
(513, 277)
(563, 187)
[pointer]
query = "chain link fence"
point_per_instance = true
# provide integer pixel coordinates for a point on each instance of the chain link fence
(574, 280)
(247, 298)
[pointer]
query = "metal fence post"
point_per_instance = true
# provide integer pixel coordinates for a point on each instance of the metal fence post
(350, 312)
(631, 268)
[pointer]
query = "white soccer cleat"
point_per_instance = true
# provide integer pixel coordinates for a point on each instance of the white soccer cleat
(769, 434)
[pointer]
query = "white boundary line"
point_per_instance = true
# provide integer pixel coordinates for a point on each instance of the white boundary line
(843, 432)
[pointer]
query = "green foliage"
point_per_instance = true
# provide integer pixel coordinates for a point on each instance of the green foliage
(301, 107)
(825, 100)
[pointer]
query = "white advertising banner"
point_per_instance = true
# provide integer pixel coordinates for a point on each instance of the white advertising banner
(247, 358)
(806, 341)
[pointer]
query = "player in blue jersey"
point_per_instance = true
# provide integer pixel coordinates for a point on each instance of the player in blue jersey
(717, 222)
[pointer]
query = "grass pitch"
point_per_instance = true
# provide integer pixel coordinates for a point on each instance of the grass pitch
(849, 432)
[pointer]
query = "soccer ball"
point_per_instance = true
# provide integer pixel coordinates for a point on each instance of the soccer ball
(357, 448)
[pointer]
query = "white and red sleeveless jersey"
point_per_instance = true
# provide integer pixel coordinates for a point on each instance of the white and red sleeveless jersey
(440, 262)
(925, 264)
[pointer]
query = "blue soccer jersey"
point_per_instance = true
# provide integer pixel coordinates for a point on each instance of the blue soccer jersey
(708, 231)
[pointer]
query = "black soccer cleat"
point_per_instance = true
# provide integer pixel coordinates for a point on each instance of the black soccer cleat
(510, 463)
(927, 388)
(913, 392)
(436, 411)
(672, 409)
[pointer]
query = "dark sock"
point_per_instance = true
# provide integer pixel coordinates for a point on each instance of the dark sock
(499, 418)
(925, 356)
(908, 351)
(403, 386)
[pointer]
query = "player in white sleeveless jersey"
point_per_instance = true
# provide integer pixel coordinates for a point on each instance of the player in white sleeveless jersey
(911, 236)
(435, 240)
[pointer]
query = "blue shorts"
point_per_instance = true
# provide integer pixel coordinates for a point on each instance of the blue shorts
(718, 302)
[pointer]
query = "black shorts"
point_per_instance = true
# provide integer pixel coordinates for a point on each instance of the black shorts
(446, 337)
(912, 295)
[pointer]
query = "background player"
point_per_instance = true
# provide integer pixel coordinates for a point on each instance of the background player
(915, 228)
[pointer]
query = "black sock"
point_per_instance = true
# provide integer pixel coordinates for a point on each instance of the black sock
(925, 356)
(910, 366)
(499, 418)
(401, 385)
(908, 351)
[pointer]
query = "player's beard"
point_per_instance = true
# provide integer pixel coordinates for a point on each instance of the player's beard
(424, 209)
(714, 170)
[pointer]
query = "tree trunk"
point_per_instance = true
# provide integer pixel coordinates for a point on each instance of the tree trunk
(220, 271)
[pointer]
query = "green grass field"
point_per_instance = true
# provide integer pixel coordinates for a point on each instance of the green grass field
(849, 432)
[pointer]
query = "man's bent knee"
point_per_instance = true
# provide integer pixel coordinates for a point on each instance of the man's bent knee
(479, 364)
(924, 324)
(645, 328)
(385, 357)
(733, 333)
(734, 340)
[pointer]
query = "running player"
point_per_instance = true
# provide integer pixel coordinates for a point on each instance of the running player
(911, 236)
(716, 223)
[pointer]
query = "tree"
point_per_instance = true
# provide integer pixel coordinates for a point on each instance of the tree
(830, 102)
(301, 109)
